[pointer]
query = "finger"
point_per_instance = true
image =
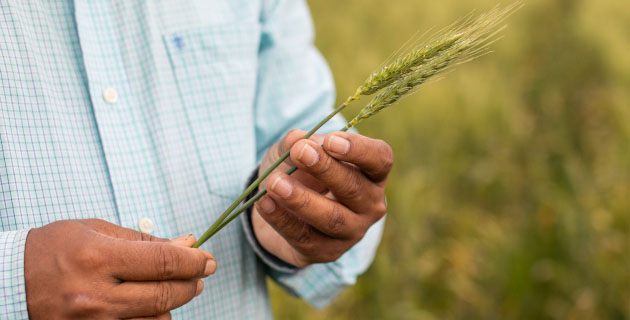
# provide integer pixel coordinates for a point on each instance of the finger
(117, 231)
(280, 148)
(324, 214)
(311, 246)
(163, 316)
(349, 185)
(288, 225)
(374, 157)
(291, 138)
(146, 261)
(152, 298)
(295, 135)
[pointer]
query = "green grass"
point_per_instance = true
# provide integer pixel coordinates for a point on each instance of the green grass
(510, 195)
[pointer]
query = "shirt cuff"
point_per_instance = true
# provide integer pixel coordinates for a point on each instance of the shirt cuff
(12, 284)
(269, 259)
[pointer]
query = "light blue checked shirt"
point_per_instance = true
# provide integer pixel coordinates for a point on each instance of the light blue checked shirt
(157, 111)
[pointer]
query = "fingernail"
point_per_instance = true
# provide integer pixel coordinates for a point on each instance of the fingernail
(308, 155)
(211, 267)
(338, 145)
(282, 187)
(184, 239)
(199, 287)
(266, 205)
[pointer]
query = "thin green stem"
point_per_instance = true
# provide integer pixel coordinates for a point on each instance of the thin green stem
(217, 225)
(259, 195)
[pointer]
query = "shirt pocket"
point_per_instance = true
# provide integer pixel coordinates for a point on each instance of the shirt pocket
(215, 68)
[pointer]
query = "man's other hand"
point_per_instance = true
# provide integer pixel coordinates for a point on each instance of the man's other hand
(95, 269)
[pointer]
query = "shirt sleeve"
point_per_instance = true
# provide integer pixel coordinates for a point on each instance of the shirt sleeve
(12, 285)
(296, 90)
(295, 87)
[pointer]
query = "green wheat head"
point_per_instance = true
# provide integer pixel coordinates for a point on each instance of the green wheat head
(461, 42)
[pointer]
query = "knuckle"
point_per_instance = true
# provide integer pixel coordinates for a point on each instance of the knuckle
(282, 223)
(168, 262)
(387, 155)
(359, 235)
(303, 201)
(146, 237)
(352, 186)
(303, 240)
(324, 166)
(162, 297)
(336, 220)
(307, 248)
(379, 209)
(87, 257)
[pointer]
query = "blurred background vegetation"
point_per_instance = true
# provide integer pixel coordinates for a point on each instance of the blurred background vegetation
(510, 196)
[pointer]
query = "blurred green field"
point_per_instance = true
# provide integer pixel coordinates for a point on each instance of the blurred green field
(510, 196)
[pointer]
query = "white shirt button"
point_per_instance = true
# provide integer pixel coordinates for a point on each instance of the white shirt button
(110, 95)
(146, 225)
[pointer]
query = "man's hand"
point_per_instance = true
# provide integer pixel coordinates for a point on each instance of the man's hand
(323, 209)
(95, 269)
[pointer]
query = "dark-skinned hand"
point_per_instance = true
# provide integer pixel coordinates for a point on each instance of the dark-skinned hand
(92, 269)
(326, 207)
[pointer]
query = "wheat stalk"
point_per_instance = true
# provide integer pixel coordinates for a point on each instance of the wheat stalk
(461, 42)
